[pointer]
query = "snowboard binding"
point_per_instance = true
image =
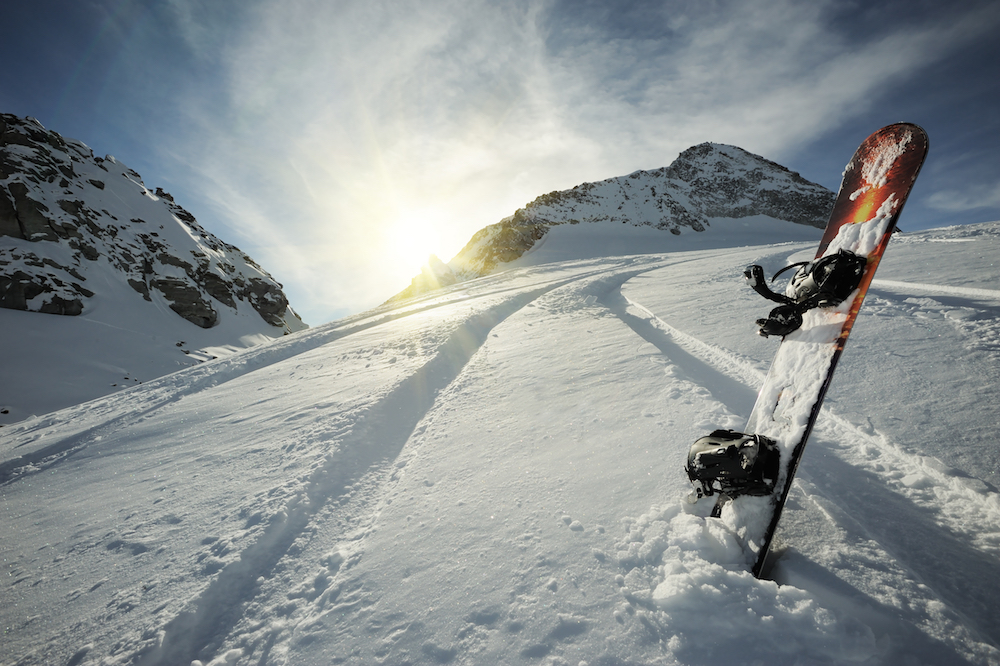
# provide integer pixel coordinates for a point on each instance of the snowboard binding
(733, 464)
(822, 283)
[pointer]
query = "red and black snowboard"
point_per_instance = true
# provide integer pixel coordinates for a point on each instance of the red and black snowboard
(876, 184)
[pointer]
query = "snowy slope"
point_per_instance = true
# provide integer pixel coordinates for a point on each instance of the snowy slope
(492, 474)
(107, 282)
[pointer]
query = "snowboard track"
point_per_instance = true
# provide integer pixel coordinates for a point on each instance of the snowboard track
(963, 576)
(375, 441)
(932, 544)
(738, 397)
(131, 405)
(964, 292)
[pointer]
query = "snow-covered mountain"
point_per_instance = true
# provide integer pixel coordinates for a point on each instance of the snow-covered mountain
(705, 185)
(82, 236)
(492, 474)
(97, 214)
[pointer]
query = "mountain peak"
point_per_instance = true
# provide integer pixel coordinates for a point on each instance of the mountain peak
(70, 220)
(707, 181)
(144, 289)
(723, 158)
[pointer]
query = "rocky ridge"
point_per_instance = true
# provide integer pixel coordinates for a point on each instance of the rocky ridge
(67, 217)
(705, 181)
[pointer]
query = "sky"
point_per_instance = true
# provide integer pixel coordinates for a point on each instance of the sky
(340, 142)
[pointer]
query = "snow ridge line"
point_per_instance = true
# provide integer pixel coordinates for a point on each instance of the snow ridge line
(47, 455)
(970, 292)
(735, 396)
(969, 508)
(958, 503)
(377, 439)
(741, 369)
(939, 554)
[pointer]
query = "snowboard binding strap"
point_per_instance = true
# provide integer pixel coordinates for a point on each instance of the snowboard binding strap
(825, 282)
(733, 464)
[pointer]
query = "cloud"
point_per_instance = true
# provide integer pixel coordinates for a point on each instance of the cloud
(969, 198)
(767, 76)
(337, 122)
(348, 117)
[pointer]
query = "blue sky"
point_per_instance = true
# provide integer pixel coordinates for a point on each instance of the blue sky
(340, 142)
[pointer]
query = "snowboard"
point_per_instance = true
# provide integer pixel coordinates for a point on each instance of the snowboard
(875, 186)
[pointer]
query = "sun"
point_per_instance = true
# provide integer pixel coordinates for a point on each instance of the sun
(411, 238)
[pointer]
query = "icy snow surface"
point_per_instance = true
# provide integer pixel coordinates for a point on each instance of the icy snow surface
(492, 474)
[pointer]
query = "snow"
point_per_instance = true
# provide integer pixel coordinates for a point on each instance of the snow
(118, 341)
(492, 474)
(114, 231)
(589, 241)
(875, 171)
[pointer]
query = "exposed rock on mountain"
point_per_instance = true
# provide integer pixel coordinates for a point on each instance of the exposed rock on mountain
(69, 219)
(434, 275)
(705, 182)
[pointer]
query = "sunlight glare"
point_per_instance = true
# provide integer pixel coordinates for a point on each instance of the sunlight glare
(412, 238)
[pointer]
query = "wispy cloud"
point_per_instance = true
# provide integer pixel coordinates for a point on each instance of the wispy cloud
(341, 124)
(765, 75)
(969, 198)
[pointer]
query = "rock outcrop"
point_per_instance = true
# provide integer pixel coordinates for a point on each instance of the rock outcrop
(70, 221)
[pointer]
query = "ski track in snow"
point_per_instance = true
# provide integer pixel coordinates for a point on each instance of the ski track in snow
(32, 457)
(389, 423)
(893, 285)
(237, 574)
(888, 556)
(392, 422)
(939, 505)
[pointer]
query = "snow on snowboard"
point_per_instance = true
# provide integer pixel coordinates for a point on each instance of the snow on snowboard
(748, 476)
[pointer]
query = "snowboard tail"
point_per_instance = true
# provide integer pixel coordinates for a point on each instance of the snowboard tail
(876, 184)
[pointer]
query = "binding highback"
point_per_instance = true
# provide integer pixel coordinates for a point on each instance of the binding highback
(825, 282)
